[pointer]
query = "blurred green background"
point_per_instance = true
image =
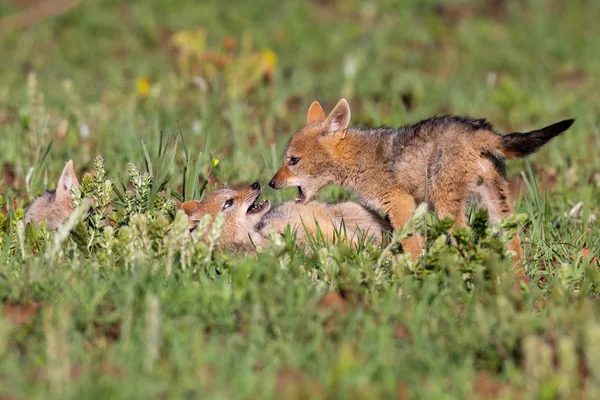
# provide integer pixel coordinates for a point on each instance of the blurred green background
(109, 73)
(97, 77)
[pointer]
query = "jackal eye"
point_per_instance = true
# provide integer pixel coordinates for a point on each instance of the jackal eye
(294, 160)
(227, 204)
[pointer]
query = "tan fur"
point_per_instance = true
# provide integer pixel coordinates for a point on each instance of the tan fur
(347, 222)
(54, 207)
(444, 161)
(243, 231)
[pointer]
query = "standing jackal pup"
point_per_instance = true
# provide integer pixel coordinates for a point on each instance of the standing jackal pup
(247, 222)
(444, 160)
(54, 206)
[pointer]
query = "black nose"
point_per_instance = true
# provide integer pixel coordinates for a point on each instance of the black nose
(272, 184)
(256, 186)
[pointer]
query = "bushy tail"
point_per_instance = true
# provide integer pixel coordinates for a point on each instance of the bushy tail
(518, 145)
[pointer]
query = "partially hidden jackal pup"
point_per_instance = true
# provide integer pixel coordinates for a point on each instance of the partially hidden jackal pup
(54, 207)
(247, 221)
(444, 160)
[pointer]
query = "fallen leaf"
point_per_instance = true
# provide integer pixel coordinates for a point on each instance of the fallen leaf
(403, 391)
(401, 332)
(293, 384)
(62, 129)
(333, 301)
(229, 43)
(18, 314)
(8, 174)
(585, 253)
(486, 386)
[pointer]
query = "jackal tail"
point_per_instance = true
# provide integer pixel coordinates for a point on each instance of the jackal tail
(519, 145)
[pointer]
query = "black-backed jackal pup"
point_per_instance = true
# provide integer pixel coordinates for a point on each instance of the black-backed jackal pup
(444, 160)
(247, 222)
(54, 207)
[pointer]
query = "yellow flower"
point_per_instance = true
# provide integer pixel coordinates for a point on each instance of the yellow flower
(215, 162)
(269, 58)
(143, 87)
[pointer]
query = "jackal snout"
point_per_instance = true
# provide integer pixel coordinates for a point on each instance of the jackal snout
(280, 178)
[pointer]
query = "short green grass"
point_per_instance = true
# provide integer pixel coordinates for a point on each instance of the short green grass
(121, 312)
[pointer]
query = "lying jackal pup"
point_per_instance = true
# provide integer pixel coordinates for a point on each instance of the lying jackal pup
(247, 221)
(54, 206)
(444, 160)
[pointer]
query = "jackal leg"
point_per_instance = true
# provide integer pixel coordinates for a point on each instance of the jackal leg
(449, 187)
(449, 198)
(495, 197)
(400, 206)
(451, 202)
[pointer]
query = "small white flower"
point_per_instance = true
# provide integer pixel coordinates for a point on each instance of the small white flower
(576, 210)
(350, 66)
(84, 130)
(492, 77)
(201, 83)
(197, 126)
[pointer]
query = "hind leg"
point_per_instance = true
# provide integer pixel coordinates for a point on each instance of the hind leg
(494, 194)
(452, 179)
(451, 207)
(450, 204)
(449, 198)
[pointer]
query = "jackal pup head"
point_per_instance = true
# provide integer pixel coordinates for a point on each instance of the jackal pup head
(312, 156)
(54, 207)
(241, 210)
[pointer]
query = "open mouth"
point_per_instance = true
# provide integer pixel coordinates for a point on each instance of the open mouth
(257, 207)
(300, 198)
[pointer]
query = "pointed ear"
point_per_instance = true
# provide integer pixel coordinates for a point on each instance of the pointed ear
(339, 118)
(189, 206)
(67, 180)
(315, 113)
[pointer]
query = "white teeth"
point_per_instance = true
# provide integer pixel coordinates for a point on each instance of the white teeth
(256, 206)
(301, 196)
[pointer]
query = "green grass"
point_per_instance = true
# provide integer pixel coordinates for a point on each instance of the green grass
(122, 312)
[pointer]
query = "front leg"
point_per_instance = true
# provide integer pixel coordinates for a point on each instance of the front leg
(400, 206)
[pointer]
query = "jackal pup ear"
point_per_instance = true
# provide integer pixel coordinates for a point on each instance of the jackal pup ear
(67, 180)
(190, 206)
(339, 118)
(315, 113)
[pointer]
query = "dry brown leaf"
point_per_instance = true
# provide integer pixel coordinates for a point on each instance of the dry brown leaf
(18, 314)
(333, 301)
